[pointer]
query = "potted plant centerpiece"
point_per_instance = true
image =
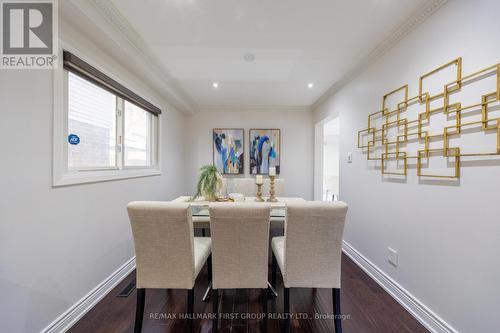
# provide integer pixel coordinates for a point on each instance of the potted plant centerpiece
(209, 183)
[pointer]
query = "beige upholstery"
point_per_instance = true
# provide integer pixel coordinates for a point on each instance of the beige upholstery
(309, 255)
(278, 247)
(240, 236)
(167, 254)
(247, 187)
(202, 249)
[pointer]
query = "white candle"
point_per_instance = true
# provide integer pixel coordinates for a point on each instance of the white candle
(259, 180)
(272, 171)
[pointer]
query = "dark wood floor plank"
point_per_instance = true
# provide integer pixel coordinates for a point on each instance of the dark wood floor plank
(369, 307)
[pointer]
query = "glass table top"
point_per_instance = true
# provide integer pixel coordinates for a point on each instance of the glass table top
(201, 211)
(278, 208)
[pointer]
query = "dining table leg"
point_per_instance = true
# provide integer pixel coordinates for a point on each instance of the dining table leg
(206, 296)
(271, 289)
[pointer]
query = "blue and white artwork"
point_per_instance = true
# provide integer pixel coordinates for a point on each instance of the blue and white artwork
(264, 150)
(228, 150)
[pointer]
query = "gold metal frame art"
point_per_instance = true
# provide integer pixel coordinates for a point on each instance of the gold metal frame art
(391, 146)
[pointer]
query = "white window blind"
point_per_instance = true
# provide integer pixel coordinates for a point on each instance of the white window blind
(92, 117)
(102, 129)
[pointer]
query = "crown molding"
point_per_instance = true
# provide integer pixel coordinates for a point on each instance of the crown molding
(256, 108)
(122, 26)
(410, 24)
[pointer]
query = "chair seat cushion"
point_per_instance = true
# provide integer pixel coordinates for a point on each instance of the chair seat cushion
(278, 246)
(202, 249)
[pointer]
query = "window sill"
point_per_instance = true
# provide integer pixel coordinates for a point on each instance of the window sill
(96, 176)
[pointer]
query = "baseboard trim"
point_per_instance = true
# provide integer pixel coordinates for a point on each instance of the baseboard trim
(80, 308)
(417, 309)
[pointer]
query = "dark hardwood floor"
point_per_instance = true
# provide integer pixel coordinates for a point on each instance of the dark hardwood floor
(367, 307)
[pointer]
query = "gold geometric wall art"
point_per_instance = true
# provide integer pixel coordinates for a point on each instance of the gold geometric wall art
(436, 122)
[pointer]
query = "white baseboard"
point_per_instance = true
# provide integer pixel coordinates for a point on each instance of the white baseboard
(417, 309)
(80, 308)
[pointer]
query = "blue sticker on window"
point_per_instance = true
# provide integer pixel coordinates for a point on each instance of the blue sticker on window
(73, 139)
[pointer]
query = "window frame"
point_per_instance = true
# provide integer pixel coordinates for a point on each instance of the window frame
(62, 174)
(153, 143)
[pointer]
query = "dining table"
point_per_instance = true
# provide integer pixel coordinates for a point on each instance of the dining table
(201, 216)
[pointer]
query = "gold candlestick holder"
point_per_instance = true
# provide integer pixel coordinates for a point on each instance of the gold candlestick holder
(259, 193)
(272, 192)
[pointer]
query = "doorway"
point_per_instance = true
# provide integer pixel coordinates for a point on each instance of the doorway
(327, 158)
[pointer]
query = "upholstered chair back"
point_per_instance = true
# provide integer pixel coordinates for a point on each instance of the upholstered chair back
(247, 187)
(240, 236)
(313, 244)
(163, 240)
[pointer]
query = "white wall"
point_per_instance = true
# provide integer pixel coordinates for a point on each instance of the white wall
(57, 244)
(296, 143)
(447, 234)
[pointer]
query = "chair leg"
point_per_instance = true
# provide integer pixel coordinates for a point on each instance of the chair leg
(190, 309)
(336, 310)
(264, 308)
(139, 309)
(215, 309)
(273, 272)
(209, 268)
(286, 297)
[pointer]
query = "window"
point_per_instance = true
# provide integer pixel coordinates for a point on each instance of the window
(91, 117)
(137, 136)
(108, 131)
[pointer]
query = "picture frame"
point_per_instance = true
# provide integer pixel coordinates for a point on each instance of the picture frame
(228, 150)
(266, 141)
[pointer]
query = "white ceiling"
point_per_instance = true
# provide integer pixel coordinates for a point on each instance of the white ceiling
(295, 42)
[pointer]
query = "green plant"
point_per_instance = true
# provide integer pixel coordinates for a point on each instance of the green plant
(209, 183)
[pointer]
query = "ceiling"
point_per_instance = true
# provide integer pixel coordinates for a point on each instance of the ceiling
(182, 47)
(293, 42)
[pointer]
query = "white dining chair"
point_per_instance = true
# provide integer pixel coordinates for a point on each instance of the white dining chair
(245, 186)
(166, 253)
(248, 188)
(310, 253)
(240, 236)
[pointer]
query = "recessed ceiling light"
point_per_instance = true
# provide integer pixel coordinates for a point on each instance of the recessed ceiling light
(310, 85)
(249, 57)
(215, 85)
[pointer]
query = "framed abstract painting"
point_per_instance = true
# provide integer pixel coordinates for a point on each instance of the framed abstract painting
(228, 150)
(264, 150)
